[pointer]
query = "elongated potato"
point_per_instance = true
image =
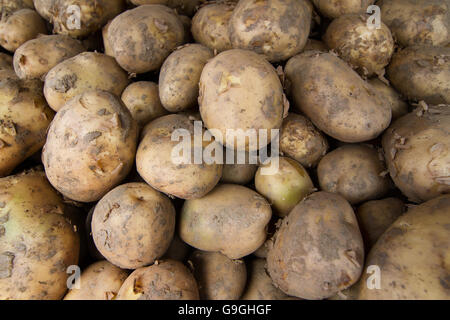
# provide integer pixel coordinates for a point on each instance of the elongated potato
(336, 8)
(234, 229)
(398, 106)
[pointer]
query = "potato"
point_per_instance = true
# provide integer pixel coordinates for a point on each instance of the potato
(6, 62)
(45, 8)
(178, 250)
(86, 71)
(239, 89)
(38, 243)
(179, 77)
(390, 96)
(367, 49)
(187, 24)
(335, 98)
(285, 188)
(156, 164)
(106, 45)
(90, 146)
(301, 141)
(336, 8)
(210, 26)
(234, 228)
(143, 37)
(312, 44)
(133, 225)
(187, 7)
(218, 277)
(318, 249)
(412, 256)
(166, 280)
(100, 281)
(92, 249)
(14, 5)
(20, 26)
(422, 73)
(142, 99)
(416, 149)
(355, 172)
(417, 22)
(376, 216)
(24, 119)
(278, 29)
(237, 172)
(36, 57)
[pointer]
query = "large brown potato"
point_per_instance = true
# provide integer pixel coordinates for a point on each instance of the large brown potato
(398, 106)
(336, 8)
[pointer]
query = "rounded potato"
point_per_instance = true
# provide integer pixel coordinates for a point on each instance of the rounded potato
(318, 249)
(355, 172)
(413, 256)
(218, 277)
(241, 171)
(178, 250)
(100, 281)
(107, 49)
(166, 280)
(85, 71)
(301, 141)
(336, 8)
(36, 57)
(8, 6)
(335, 97)
(239, 89)
(235, 229)
(422, 73)
(45, 8)
(90, 146)
(133, 225)
(187, 7)
(312, 44)
(278, 29)
(179, 77)
(6, 62)
(417, 152)
(390, 96)
(157, 165)
(38, 243)
(367, 49)
(143, 37)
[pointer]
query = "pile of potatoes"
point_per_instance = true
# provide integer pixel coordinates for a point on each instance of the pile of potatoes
(355, 111)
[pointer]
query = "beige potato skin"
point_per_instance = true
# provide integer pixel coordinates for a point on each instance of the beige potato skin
(100, 281)
(417, 152)
(238, 173)
(178, 250)
(278, 29)
(20, 26)
(133, 225)
(398, 107)
(412, 256)
(355, 172)
(85, 71)
(239, 89)
(187, 7)
(218, 277)
(156, 166)
(422, 73)
(417, 22)
(15, 5)
(143, 37)
(36, 57)
(167, 280)
(45, 8)
(312, 44)
(335, 98)
(234, 229)
(179, 77)
(6, 62)
(318, 249)
(38, 243)
(336, 8)
(90, 146)
(106, 45)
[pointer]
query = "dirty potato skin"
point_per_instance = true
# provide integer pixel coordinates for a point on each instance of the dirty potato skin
(417, 242)
(15, 5)
(100, 281)
(86, 71)
(218, 277)
(187, 7)
(143, 37)
(355, 172)
(90, 146)
(6, 62)
(241, 170)
(179, 77)
(312, 44)
(165, 280)
(36, 57)
(336, 99)
(336, 8)
(239, 89)
(38, 243)
(157, 167)
(45, 8)
(417, 22)
(416, 148)
(234, 229)
(133, 225)
(318, 249)
(422, 73)
(398, 106)
(282, 38)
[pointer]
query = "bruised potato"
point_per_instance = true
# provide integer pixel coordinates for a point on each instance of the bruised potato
(90, 146)
(336, 8)
(390, 96)
(235, 229)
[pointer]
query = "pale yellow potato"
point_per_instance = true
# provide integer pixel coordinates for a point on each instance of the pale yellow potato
(398, 106)
(336, 8)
